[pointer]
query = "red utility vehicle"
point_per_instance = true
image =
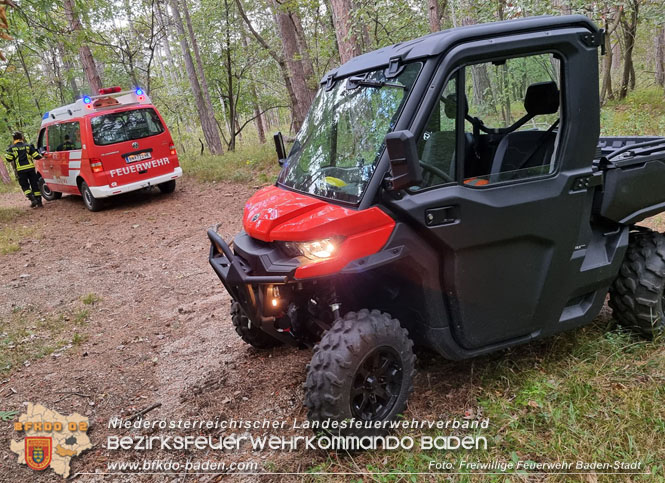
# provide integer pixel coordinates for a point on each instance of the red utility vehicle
(105, 145)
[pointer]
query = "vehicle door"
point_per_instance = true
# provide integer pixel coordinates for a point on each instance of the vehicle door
(52, 156)
(43, 165)
(497, 200)
(69, 152)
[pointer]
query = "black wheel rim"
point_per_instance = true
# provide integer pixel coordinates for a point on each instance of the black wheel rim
(377, 385)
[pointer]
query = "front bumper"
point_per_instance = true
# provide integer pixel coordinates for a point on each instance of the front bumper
(233, 271)
(252, 273)
(108, 190)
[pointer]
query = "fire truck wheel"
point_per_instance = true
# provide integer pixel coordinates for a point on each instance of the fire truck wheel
(168, 187)
(249, 333)
(363, 368)
(47, 193)
(637, 296)
(91, 203)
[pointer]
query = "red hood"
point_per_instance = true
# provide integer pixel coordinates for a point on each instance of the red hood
(275, 214)
(278, 214)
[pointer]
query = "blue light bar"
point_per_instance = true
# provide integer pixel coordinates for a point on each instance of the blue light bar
(139, 91)
(86, 100)
(45, 116)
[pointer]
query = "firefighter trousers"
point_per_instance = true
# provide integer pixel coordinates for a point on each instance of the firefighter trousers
(29, 181)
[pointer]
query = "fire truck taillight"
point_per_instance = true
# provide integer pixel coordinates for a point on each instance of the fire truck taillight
(96, 165)
(109, 90)
(172, 148)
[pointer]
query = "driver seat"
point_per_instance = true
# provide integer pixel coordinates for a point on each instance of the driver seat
(520, 150)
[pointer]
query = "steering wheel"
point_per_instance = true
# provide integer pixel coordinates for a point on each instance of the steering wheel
(433, 170)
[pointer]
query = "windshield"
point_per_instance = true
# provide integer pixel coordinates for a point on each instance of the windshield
(337, 149)
(123, 126)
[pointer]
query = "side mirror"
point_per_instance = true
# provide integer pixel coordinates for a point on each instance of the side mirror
(41, 150)
(405, 167)
(279, 147)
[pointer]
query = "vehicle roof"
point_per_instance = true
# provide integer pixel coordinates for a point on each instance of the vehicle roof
(436, 43)
(78, 109)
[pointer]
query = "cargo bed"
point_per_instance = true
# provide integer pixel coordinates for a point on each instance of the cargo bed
(634, 178)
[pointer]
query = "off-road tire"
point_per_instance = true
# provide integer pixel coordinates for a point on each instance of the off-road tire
(47, 193)
(90, 202)
(167, 187)
(636, 296)
(335, 371)
(249, 333)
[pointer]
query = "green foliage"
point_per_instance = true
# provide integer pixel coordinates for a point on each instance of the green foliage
(90, 299)
(255, 163)
(642, 113)
(30, 334)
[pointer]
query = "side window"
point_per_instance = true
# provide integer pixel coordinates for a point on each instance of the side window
(53, 136)
(71, 136)
(436, 146)
(41, 140)
(513, 119)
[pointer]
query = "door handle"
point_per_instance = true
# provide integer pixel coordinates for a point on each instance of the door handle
(445, 215)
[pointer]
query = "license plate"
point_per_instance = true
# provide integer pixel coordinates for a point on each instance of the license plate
(132, 158)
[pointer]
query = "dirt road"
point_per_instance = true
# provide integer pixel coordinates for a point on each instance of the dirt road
(160, 331)
(145, 321)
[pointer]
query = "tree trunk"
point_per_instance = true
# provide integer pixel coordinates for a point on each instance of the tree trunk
(280, 61)
(660, 56)
(85, 54)
(4, 174)
(208, 124)
(434, 15)
(229, 81)
(303, 93)
(307, 67)
(54, 72)
(166, 43)
(199, 63)
(28, 77)
(347, 40)
(629, 25)
(69, 71)
(258, 117)
(606, 90)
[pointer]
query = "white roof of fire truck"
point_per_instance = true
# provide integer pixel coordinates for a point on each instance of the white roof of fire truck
(108, 98)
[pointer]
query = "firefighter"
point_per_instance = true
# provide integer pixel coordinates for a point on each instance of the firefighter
(67, 145)
(22, 155)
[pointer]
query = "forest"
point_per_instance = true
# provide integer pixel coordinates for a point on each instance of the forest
(227, 73)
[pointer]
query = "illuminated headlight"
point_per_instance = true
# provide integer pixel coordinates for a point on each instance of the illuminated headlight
(314, 250)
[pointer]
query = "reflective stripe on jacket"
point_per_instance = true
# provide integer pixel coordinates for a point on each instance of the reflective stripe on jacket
(22, 155)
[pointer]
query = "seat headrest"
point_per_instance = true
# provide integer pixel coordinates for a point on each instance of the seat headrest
(542, 98)
(450, 106)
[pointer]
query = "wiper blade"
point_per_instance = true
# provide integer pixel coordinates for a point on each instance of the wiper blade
(361, 81)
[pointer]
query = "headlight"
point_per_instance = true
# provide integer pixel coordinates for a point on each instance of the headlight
(314, 250)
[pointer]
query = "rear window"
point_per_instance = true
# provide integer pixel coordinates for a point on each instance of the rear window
(123, 126)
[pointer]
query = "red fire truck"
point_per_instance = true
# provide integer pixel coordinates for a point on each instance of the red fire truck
(105, 145)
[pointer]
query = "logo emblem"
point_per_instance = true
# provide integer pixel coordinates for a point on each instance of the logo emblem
(135, 145)
(255, 217)
(38, 452)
